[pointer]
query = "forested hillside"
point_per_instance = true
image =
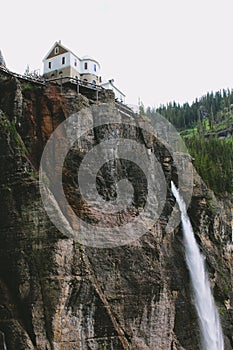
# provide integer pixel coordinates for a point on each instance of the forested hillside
(207, 127)
(215, 108)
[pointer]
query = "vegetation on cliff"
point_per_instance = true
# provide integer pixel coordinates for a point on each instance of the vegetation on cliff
(213, 159)
(215, 108)
(207, 127)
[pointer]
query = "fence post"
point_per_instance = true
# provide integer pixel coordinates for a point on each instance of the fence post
(61, 85)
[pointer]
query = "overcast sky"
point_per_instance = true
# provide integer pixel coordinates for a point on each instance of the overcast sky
(158, 50)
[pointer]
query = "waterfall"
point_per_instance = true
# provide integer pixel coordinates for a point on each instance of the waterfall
(2, 341)
(210, 327)
(4, 344)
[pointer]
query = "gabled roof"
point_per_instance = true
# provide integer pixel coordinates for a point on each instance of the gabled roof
(62, 50)
(109, 82)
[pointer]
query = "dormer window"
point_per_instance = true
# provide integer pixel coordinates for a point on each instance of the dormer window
(56, 51)
(63, 60)
(94, 67)
(50, 65)
(85, 65)
(75, 63)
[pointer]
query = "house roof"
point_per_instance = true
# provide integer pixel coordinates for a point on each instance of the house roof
(64, 50)
(58, 43)
(88, 58)
(110, 83)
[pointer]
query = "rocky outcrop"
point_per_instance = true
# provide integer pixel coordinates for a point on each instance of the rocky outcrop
(2, 61)
(222, 134)
(56, 293)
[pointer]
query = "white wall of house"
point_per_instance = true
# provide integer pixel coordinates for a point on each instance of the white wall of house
(71, 60)
(75, 62)
(93, 67)
(56, 62)
(118, 94)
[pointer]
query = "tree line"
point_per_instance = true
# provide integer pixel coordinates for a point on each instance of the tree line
(213, 157)
(215, 107)
(213, 160)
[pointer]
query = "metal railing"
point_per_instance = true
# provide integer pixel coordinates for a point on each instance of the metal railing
(125, 109)
(35, 79)
(76, 81)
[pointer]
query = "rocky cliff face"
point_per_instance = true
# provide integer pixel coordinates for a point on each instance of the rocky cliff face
(56, 293)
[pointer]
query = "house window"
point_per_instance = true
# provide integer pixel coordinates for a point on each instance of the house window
(56, 51)
(85, 65)
(63, 60)
(75, 63)
(50, 65)
(94, 67)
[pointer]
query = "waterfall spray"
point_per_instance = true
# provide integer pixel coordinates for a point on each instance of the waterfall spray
(212, 336)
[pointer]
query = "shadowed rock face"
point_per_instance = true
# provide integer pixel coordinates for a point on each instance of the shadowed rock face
(56, 293)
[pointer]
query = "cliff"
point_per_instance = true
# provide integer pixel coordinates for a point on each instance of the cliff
(58, 293)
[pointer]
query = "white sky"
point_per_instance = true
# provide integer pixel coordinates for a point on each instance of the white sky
(158, 50)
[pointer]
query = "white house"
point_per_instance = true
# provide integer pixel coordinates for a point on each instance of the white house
(61, 62)
(110, 86)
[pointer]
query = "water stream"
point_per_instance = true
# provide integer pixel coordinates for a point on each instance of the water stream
(2, 341)
(210, 326)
